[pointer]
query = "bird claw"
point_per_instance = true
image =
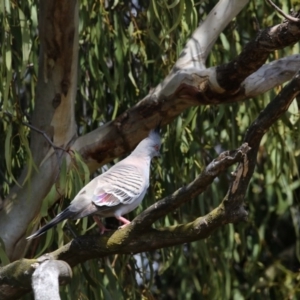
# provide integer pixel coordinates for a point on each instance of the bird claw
(103, 229)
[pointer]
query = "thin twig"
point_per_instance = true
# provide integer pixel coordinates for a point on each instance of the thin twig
(281, 12)
(44, 135)
(56, 148)
(38, 131)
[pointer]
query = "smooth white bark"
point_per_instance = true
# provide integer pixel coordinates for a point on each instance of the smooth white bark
(45, 279)
(271, 75)
(204, 37)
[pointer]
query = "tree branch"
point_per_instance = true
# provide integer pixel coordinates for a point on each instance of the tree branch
(15, 278)
(195, 188)
(273, 111)
(236, 81)
(269, 76)
(94, 246)
(255, 53)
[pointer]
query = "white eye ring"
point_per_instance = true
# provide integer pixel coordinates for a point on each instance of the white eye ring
(156, 147)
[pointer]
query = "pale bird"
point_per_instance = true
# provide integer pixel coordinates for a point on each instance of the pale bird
(116, 192)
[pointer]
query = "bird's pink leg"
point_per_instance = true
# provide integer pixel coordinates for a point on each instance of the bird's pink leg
(102, 228)
(123, 220)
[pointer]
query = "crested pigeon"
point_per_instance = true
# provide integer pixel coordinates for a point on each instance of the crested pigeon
(116, 192)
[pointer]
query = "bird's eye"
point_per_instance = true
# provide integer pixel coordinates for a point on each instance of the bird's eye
(156, 147)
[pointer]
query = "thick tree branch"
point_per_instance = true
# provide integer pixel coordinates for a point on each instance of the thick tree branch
(269, 76)
(255, 53)
(94, 246)
(186, 88)
(15, 278)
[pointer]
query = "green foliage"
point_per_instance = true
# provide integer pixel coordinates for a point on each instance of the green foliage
(18, 64)
(124, 52)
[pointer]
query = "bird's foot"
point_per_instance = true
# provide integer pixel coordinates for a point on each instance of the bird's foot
(123, 220)
(102, 228)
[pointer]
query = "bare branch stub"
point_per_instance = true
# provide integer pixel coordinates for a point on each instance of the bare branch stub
(47, 277)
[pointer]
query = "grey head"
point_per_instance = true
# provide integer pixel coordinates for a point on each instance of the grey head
(150, 145)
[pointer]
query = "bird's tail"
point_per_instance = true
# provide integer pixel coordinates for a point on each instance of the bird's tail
(66, 214)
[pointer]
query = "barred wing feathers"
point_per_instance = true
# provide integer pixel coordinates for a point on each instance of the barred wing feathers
(121, 185)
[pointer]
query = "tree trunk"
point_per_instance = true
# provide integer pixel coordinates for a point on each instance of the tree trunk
(53, 114)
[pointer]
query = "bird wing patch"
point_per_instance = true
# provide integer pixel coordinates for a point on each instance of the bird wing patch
(105, 199)
(121, 185)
